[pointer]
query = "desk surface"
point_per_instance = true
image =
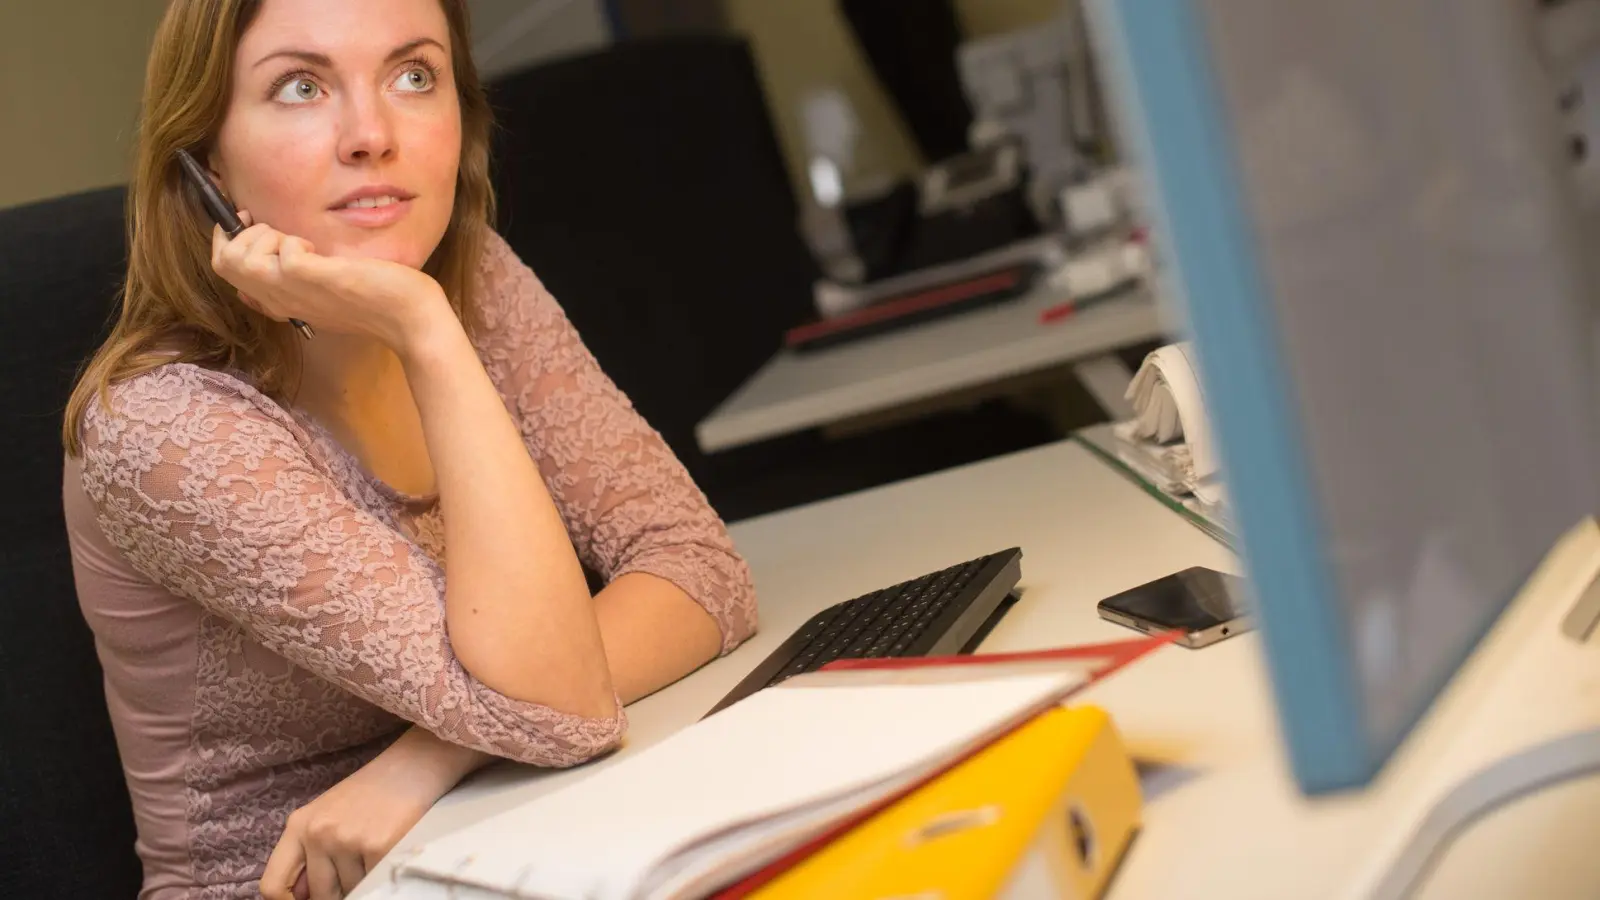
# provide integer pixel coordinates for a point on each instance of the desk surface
(1086, 533)
(794, 391)
(1222, 818)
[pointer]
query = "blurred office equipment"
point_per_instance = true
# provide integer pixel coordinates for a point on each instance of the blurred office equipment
(1037, 86)
(1030, 180)
(66, 825)
(645, 186)
(1372, 217)
(967, 201)
(1051, 310)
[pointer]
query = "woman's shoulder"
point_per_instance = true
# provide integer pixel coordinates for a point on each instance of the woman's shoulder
(498, 266)
(177, 394)
(497, 255)
(510, 296)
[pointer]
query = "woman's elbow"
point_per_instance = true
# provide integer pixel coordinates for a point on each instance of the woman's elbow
(472, 714)
(578, 749)
(743, 622)
(546, 738)
(740, 618)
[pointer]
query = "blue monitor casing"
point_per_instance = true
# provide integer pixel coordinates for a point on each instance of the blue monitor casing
(1365, 210)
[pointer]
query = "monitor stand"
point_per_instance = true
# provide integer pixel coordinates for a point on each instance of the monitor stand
(1522, 715)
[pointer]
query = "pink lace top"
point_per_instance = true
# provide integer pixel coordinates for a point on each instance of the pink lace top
(269, 616)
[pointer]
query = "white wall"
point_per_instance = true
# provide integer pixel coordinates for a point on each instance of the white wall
(72, 71)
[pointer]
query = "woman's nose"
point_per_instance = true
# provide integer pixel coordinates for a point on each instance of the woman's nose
(368, 133)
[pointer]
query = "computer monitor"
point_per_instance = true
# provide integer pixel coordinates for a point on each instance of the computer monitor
(1366, 209)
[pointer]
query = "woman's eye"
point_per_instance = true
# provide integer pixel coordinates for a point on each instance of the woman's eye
(299, 90)
(416, 78)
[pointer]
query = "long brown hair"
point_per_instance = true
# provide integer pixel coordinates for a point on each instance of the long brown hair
(173, 306)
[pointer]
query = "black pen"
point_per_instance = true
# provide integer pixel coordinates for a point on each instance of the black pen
(223, 213)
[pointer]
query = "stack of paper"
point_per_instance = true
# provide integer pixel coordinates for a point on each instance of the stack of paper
(730, 794)
(1168, 441)
(737, 791)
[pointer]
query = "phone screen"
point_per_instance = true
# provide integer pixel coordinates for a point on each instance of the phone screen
(1192, 600)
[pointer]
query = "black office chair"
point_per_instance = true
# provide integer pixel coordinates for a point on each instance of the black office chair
(66, 824)
(645, 185)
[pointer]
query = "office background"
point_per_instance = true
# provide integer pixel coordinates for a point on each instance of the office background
(713, 277)
(75, 70)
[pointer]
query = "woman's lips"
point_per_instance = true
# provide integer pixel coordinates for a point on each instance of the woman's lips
(390, 211)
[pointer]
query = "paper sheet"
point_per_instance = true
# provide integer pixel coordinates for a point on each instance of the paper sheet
(1170, 434)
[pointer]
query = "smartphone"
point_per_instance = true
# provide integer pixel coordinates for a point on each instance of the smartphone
(1204, 604)
(222, 213)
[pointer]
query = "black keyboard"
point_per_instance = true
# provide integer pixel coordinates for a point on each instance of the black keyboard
(949, 611)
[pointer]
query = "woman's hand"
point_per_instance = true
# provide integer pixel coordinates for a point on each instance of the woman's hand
(284, 278)
(329, 844)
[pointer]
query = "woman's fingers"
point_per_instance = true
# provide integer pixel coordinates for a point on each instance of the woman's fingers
(311, 272)
(351, 870)
(261, 256)
(240, 246)
(224, 247)
(284, 866)
(293, 253)
(322, 876)
(300, 260)
(251, 263)
(228, 257)
(219, 242)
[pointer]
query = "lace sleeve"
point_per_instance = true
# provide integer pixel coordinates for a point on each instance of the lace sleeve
(207, 488)
(628, 503)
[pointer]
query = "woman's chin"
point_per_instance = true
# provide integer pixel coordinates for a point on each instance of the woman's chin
(404, 254)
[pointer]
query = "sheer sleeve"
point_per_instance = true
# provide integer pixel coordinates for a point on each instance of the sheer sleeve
(207, 488)
(628, 503)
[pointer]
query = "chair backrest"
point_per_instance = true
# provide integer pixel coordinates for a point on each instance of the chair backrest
(645, 185)
(66, 825)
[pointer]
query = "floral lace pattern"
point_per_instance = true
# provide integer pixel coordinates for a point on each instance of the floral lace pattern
(323, 589)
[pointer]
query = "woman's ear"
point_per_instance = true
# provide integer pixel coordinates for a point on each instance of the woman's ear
(214, 167)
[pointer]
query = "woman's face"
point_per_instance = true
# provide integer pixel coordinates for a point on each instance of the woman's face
(344, 126)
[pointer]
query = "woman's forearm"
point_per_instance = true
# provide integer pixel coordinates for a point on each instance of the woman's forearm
(517, 607)
(432, 762)
(654, 633)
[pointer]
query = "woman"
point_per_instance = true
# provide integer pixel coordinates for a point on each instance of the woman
(260, 522)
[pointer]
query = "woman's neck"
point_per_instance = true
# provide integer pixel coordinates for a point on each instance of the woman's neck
(356, 389)
(342, 372)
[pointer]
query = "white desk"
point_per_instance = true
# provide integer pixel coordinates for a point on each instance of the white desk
(795, 391)
(1221, 818)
